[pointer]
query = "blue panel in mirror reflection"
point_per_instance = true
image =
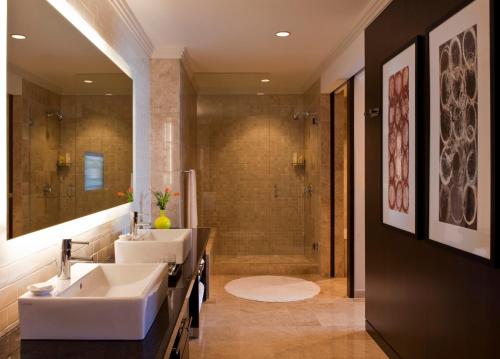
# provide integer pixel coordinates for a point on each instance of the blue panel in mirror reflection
(94, 171)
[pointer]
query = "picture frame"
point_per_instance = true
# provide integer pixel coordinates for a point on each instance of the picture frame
(460, 137)
(400, 112)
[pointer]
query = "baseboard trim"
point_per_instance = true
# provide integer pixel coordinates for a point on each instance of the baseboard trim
(382, 343)
(359, 293)
(220, 267)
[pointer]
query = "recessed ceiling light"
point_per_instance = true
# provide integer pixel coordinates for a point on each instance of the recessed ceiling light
(283, 33)
(108, 94)
(88, 81)
(18, 36)
(260, 93)
(265, 80)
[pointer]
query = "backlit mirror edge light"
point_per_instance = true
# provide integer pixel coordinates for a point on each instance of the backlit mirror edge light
(3, 122)
(19, 247)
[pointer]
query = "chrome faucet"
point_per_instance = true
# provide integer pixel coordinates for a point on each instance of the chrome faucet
(135, 225)
(67, 258)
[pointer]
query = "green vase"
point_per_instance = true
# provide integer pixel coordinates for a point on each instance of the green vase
(162, 222)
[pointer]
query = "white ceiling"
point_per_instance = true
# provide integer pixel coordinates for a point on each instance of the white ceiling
(56, 55)
(232, 41)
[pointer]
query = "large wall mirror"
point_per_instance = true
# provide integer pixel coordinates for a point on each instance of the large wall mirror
(69, 122)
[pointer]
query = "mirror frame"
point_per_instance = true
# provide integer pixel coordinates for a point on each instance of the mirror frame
(22, 246)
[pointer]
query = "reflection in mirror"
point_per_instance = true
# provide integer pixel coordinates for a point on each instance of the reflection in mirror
(69, 122)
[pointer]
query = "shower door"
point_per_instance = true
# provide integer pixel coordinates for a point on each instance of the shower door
(286, 138)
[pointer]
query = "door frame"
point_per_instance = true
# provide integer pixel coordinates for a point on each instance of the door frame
(349, 86)
(10, 166)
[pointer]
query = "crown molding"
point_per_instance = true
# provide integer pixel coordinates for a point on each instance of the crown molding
(186, 63)
(128, 17)
(173, 52)
(371, 12)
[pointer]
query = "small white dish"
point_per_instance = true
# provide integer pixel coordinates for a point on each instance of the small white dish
(124, 237)
(41, 289)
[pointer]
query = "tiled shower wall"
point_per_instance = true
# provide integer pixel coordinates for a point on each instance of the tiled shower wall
(248, 187)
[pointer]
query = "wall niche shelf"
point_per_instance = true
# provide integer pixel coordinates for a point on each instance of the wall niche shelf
(64, 164)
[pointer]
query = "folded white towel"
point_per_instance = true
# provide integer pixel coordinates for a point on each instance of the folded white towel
(201, 291)
(192, 220)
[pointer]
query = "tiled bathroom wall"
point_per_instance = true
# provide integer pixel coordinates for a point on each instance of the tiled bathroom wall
(188, 122)
(249, 189)
(173, 131)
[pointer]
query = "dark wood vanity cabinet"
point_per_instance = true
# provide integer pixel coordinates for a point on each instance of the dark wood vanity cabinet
(190, 315)
(181, 344)
(195, 298)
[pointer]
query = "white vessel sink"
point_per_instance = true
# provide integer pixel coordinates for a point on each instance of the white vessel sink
(155, 245)
(99, 302)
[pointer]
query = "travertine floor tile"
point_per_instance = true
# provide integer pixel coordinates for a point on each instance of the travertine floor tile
(329, 325)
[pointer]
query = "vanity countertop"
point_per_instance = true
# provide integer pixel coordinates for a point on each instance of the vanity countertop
(154, 344)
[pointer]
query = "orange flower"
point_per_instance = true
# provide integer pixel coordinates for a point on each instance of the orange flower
(176, 194)
(120, 194)
(167, 190)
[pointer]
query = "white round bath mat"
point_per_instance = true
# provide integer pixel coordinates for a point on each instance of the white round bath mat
(270, 288)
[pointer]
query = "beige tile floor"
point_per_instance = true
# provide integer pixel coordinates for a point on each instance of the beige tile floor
(329, 325)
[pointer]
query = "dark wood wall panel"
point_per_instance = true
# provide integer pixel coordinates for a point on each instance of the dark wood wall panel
(425, 300)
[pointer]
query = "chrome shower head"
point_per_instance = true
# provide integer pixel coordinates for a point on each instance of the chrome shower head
(57, 114)
(304, 115)
(300, 115)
